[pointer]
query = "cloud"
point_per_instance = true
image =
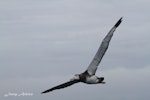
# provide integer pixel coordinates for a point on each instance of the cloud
(121, 83)
(44, 40)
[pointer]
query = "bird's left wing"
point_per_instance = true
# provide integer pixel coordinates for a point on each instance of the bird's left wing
(64, 85)
(102, 49)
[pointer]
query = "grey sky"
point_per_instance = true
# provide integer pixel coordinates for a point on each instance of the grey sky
(45, 42)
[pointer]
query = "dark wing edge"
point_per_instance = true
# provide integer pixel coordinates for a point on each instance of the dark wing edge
(118, 23)
(102, 49)
(64, 85)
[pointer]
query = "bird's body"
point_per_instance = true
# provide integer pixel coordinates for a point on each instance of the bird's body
(92, 80)
(89, 76)
(89, 79)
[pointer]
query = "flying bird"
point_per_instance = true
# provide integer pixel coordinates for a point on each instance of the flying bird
(88, 76)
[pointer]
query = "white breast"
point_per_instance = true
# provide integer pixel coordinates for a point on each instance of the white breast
(92, 80)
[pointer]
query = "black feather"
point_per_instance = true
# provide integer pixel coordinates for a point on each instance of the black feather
(62, 86)
(118, 23)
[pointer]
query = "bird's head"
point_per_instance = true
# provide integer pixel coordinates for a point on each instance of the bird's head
(76, 77)
(101, 80)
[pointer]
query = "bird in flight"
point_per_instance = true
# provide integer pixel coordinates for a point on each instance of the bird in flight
(88, 76)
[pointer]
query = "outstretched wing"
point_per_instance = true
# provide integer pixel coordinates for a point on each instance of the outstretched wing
(102, 49)
(62, 86)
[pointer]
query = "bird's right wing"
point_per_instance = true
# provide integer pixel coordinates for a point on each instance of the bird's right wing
(64, 85)
(102, 49)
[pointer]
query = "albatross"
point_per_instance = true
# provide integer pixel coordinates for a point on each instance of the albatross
(88, 76)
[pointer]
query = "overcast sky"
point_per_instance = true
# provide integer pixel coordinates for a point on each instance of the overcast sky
(43, 43)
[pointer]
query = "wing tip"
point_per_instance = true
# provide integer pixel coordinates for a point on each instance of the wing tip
(119, 21)
(46, 91)
(43, 92)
